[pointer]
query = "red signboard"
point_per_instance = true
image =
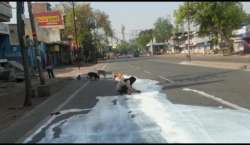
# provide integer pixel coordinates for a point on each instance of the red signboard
(49, 19)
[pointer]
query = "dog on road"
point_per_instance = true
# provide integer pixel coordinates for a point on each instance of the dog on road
(102, 72)
(117, 75)
(93, 75)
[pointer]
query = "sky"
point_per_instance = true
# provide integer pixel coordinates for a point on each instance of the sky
(134, 16)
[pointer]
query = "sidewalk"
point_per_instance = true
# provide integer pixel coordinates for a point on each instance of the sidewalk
(215, 57)
(215, 64)
(73, 71)
(12, 94)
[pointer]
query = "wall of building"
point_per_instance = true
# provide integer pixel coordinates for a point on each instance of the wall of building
(47, 35)
(39, 7)
(5, 12)
(13, 34)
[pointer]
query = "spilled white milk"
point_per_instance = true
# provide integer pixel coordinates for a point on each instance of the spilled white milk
(149, 117)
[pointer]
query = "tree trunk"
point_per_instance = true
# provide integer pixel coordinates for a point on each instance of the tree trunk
(228, 43)
(37, 53)
(21, 33)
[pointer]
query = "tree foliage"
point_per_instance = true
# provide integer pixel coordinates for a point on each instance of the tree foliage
(246, 20)
(216, 18)
(162, 29)
(144, 38)
(88, 22)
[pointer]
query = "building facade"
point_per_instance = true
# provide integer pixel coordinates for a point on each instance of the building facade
(5, 16)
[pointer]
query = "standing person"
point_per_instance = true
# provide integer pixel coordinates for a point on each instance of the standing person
(246, 43)
(124, 86)
(50, 71)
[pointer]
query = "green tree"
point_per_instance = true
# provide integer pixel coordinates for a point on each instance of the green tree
(123, 47)
(103, 23)
(88, 22)
(144, 38)
(162, 29)
(216, 18)
(246, 20)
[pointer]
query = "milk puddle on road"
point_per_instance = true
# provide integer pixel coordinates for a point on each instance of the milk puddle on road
(148, 117)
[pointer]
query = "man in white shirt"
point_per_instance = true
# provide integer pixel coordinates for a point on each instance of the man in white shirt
(124, 86)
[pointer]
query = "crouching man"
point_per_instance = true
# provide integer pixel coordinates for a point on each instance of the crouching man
(124, 86)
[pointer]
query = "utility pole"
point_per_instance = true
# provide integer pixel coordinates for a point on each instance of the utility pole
(37, 53)
(75, 29)
(24, 51)
(189, 55)
(95, 33)
(123, 32)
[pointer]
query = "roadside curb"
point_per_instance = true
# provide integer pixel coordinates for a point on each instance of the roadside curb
(219, 65)
(31, 120)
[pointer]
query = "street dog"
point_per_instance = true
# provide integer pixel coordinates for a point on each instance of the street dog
(117, 75)
(102, 72)
(93, 75)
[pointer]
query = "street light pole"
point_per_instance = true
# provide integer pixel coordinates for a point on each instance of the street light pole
(75, 29)
(189, 55)
(95, 33)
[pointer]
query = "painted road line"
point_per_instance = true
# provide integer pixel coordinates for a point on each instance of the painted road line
(104, 66)
(49, 119)
(219, 100)
(166, 79)
(71, 97)
(147, 72)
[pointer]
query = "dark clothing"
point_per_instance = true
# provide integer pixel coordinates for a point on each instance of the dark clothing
(131, 80)
(123, 90)
(50, 73)
(123, 87)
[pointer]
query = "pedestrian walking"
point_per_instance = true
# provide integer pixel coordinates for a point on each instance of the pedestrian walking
(50, 71)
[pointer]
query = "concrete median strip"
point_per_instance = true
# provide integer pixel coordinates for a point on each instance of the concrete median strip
(214, 64)
(219, 100)
(166, 79)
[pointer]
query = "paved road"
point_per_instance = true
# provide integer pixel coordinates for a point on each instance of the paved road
(219, 58)
(229, 85)
(93, 111)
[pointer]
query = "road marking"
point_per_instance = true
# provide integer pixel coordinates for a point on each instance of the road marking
(237, 107)
(147, 72)
(63, 112)
(166, 79)
(49, 119)
(104, 66)
(71, 97)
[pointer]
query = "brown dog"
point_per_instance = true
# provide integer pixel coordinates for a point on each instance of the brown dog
(102, 72)
(118, 75)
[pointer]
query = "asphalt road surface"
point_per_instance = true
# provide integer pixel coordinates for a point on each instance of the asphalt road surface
(94, 112)
(229, 85)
